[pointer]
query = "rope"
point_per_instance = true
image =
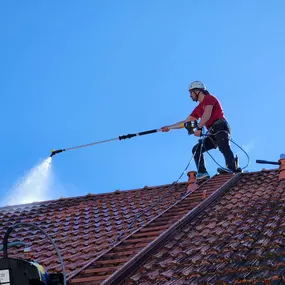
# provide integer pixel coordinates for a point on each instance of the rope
(174, 183)
(248, 159)
(201, 147)
(158, 200)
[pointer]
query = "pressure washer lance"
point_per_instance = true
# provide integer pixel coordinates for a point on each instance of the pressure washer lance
(190, 126)
(54, 152)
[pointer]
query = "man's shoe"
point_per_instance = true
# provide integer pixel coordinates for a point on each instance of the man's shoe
(225, 170)
(202, 176)
(239, 169)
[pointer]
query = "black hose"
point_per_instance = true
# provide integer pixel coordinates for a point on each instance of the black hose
(157, 201)
(248, 159)
(15, 243)
(10, 229)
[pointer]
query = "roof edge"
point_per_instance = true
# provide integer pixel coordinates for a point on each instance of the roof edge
(89, 195)
(113, 192)
(134, 263)
(260, 171)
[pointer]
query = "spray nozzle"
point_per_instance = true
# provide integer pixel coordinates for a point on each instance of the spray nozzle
(54, 152)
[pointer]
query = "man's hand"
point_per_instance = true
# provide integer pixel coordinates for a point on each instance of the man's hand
(165, 129)
(198, 133)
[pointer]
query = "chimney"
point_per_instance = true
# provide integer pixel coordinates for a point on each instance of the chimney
(192, 185)
(282, 167)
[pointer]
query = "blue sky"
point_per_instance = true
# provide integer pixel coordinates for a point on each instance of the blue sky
(77, 72)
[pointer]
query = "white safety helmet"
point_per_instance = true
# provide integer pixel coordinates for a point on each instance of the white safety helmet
(197, 85)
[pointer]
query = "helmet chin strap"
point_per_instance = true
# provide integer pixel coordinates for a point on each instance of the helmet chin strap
(197, 95)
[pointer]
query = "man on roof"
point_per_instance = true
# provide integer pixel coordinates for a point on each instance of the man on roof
(210, 111)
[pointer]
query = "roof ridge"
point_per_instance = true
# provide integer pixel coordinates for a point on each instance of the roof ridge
(262, 170)
(132, 264)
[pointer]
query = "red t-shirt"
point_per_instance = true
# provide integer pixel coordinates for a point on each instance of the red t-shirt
(217, 111)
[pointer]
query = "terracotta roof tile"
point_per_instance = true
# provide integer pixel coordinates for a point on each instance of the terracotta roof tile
(237, 240)
(83, 227)
(144, 236)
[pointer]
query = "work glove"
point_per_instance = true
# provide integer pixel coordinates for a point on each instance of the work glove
(165, 129)
(198, 133)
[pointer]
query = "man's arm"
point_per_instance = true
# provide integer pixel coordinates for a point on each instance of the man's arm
(206, 116)
(179, 125)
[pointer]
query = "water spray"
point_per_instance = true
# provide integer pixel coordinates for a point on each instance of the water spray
(33, 186)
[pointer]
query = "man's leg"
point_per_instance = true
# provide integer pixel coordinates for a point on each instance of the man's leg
(223, 143)
(199, 153)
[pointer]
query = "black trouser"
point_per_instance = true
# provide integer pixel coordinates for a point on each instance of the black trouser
(218, 136)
